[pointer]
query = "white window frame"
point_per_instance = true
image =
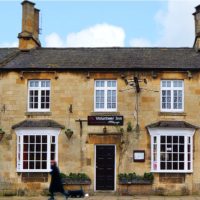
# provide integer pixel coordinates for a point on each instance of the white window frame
(39, 89)
(105, 89)
(157, 132)
(20, 132)
(172, 89)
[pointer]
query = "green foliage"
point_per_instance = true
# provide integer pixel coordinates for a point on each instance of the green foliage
(62, 175)
(76, 176)
(129, 127)
(133, 176)
(1, 131)
(148, 176)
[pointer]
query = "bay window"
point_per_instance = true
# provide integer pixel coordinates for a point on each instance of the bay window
(171, 150)
(36, 147)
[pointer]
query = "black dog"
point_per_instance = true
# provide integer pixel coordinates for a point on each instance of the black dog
(76, 193)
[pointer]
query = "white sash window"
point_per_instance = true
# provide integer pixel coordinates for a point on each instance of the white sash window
(172, 95)
(39, 95)
(105, 98)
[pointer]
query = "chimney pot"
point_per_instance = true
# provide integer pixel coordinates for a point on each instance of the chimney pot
(197, 28)
(29, 37)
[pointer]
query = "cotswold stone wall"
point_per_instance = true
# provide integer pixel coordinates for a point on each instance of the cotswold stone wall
(77, 154)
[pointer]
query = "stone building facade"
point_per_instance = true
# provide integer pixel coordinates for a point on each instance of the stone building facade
(130, 110)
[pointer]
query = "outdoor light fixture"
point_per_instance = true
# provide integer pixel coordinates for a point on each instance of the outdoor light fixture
(70, 108)
(137, 86)
(189, 73)
(154, 74)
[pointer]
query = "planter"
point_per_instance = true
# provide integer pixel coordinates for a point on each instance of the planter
(135, 182)
(69, 133)
(68, 181)
(75, 184)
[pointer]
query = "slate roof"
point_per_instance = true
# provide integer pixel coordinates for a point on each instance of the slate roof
(38, 123)
(6, 54)
(171, 124)
(106, 58)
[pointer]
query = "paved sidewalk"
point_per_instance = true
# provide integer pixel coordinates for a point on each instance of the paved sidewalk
(106, 197)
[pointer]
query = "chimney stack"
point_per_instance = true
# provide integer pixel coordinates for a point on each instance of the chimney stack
(29, 37)
(197, 28)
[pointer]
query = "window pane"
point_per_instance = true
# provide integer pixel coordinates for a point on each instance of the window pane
(109, 83)
(52, 156)
(38, 156)
(181, 165)
(38, 147)
(175, 156)
(38, 165)
(169, 139)
(44, 165)
(175, 139)
(162, 165)
(164, 84)
(155, 139)
(181, 157)
(31, 165)
(52, 147)
(38, 139)
(162, 139)
(44, 156)
(44, 147)
(25, 139)
(168, 83)
(25, 165)
(175, 165)
(31, 156)
(44, 139)
(169, 165)
(162, 147)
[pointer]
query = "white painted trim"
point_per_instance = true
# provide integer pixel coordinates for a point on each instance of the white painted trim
(115, 168)
(172, 88)
(171, 131)
(39, 88)
(186, 132)
(105, 89)
(37, 131)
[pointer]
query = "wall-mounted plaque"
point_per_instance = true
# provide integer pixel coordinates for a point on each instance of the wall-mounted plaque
(138, 155)
(106, 120)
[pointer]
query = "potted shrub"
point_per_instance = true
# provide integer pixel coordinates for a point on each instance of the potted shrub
(69, 133)
(1, 134)
(75, 178)
(129, 127)
(132, 178)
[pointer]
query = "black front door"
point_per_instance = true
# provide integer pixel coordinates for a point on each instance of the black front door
(105, 167)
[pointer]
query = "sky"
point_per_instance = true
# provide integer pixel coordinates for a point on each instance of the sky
(105, 23)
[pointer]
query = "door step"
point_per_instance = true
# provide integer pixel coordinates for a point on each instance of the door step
(105, 193)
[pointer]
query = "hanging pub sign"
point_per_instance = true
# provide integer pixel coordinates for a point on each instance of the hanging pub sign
(106, 120)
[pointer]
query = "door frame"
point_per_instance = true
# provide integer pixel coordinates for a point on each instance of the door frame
(95, 146)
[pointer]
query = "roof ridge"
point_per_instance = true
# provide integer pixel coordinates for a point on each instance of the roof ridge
(112, 48)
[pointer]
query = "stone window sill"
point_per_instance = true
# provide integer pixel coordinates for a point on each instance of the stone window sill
(105, 113)
(38, 113)
(172, 114)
